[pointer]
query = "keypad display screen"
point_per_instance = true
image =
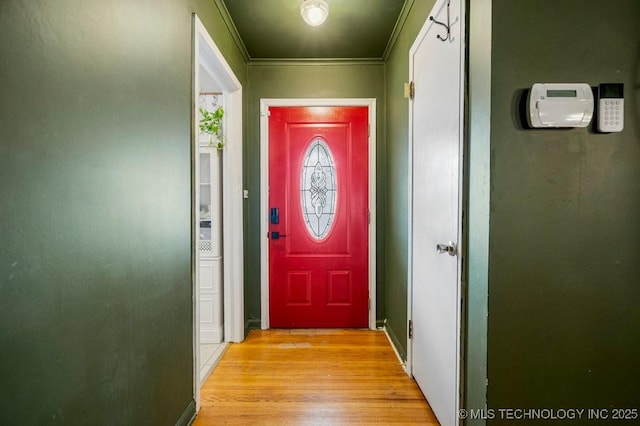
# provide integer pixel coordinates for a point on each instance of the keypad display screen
(611, 91)
(562, 93)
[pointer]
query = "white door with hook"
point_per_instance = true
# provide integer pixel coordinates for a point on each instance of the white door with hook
(436, 126)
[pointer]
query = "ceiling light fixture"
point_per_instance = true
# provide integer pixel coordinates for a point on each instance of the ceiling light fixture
(314, 12)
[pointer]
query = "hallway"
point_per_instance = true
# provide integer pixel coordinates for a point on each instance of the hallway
(312, 377)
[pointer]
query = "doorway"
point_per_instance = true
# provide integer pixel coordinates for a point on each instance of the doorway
(369, 217)
(217, 206)
(211, 108)
(436, 64)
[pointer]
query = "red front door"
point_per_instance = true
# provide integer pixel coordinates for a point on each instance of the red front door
(318, 221)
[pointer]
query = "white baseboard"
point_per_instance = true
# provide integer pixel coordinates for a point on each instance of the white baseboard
(402, 363)
(211, 336)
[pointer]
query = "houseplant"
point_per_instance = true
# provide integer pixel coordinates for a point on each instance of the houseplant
(211, 123)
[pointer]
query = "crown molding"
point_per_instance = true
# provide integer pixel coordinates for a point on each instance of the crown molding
(397, 29)
(231, 26)
(314, 61)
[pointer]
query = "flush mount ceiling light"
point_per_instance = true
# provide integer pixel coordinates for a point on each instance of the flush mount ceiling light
(314, 12)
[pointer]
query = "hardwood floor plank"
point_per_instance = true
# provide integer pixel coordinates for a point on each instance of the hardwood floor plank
(302, 377)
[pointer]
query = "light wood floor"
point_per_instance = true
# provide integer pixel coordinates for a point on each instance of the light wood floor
(295, 377)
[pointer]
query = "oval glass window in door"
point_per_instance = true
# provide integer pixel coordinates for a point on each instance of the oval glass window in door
(318, 189)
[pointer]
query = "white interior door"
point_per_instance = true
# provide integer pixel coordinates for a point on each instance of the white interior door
(437, 108)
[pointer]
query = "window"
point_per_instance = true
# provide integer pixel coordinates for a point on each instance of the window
(318, 189)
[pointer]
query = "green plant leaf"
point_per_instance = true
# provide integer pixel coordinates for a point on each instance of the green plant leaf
(211, 123)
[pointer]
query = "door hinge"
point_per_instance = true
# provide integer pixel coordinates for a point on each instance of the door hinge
(410, 329)
(369, 217)
(368, 129)
(369, 304)
(409, 90)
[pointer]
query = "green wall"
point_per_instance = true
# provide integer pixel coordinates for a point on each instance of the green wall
(95, 217)
(565, 204)
(396, 185)
(305, 80)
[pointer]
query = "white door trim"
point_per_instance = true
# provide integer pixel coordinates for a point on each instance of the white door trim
(416, 44)
(264, 193)
(207, 55)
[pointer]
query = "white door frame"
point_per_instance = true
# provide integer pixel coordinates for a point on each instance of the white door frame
(428, 25)
(264, 193)
(207, 55)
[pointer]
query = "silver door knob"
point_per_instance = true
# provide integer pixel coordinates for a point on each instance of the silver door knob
(444, 248)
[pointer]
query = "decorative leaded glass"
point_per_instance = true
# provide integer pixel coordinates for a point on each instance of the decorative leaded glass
(318, 189)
